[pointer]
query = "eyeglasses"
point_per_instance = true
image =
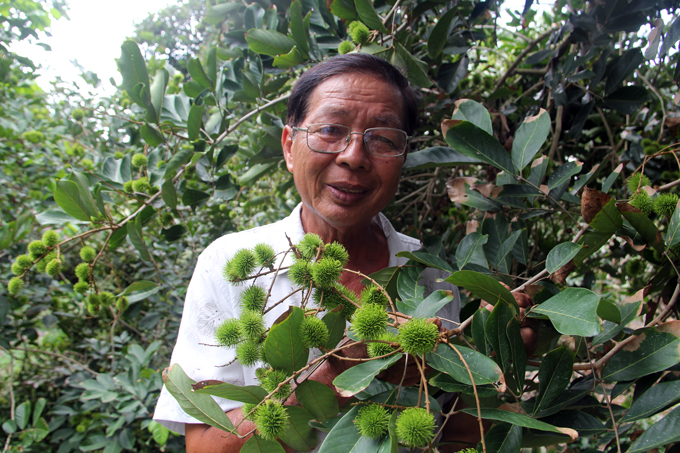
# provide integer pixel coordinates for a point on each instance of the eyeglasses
(334, 138)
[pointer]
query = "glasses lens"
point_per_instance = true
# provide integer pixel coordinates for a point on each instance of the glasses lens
(327, 138)
(385, 141)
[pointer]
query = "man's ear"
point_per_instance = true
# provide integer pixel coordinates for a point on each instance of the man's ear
(287, 144)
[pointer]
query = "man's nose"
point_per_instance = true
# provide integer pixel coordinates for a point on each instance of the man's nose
(355, 155)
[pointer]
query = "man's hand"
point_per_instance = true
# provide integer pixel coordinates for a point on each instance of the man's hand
(528, 326)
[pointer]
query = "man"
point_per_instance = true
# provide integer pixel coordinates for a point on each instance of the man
(349, 120)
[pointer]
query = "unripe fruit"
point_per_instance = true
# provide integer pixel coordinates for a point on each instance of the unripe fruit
(106, 299)
(127, 187)
(369, 321)
(264, 255)
(36, 249)
(24, 261)
(42, 264)
(88, 253)
(248, 353)
(118, 155)
(160, 163)
(333, 298)
(50, 238)
(373, 294)
(251, 324)
(122, 304)
(415, 427)
(376, 349)
(246, 409)
(271, 420)
(86, 163)
(418, 336)
(93, 303)
(240, 266)
(141, 185)
(53, 267)
(17, 269)
(336, 251)
(270, 381)
(643, 202)
(326, 272)
(83, 272)
(14, 286)
(345, 47)
(253, 298)
(77, 114)
(139, 160)
(223, 208)
(313, 332)
(372, 421)
(637, 181)
(300, 273)
(359, 32)
(665, 203)
(81, 287)
(309, 245)
(228, 333)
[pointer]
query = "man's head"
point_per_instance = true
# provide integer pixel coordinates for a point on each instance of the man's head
(357, 63)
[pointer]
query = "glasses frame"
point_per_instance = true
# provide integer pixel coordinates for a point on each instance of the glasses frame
(348, 138)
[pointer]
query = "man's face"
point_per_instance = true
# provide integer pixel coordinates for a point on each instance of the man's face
(345, 190)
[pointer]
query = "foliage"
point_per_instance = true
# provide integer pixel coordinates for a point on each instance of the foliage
(520, 173)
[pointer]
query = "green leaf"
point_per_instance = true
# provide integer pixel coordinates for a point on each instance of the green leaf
(297, 28)
(474, 112)
(560, 255)
(408, 396)
(369, 16)
(512, 418)
(484, 287)
(318, 399)
(470, 140)
(624, 67)
(151, 135)
(407, 283)
(199, 75)
(141, 285)
(432, 304)
(194, 121)
(67, 196)
(643, 225)
(22, 414)
(628, 99)
(553, 376)
(193, 197)
(257, 444)
(416, 70)
(218, 13)
(201, 407)
(160, 83)
(470, 250)
(504, 256)
(573, 312)
(357, 378)
(478, 334)
(225, 189)
(345, 438)
(225, 154)
(134, 231)
(529, 139)
(444, 359)
(344, 9)
(283, 346)
(654, 349)
(495, 329)
(288, 60)
(563, 174)
(427, 259)
(251, 394)
(438, 156)
(256, 172)
(585, 424)
(504, 438)
(590, 243)
(662, 433)
(673, 235)
(179, 159)
(518, 353)
(336, 324)
(653, 401)
(38, 410)
(608, 311)
(299, 436)
(608, 220)
(84, 189)
(440, 33)
(268, 42)
(169, 194)
(133, 69)
(9, 426)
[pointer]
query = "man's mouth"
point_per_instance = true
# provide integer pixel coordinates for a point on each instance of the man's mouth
(347, 193)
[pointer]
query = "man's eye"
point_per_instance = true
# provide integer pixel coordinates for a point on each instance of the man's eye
(331, 132)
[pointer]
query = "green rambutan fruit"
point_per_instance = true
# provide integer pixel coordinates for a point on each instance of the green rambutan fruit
(248, 353)
(86, 163)
(88, 253)
(337, 251)
(77, 114)
(53, 267)
(228, 333)
(665, 203)
(141, 185)
(260, 373)
(246, 409)
(118, 155)
(345, 47)
(251, 324)
(122, 303)
(376, 349)
(24, 261)
(36, 249)
(17, 269)
(313, 332)
(106, 298)
(418, 336)
(240, 266)
(372, 421)
(271, 380)
(300, 273)
(50, 238)
(93, 303)
(373, 294)
(41, 265)
(415, 427)
(264, 255)
(82, 271)
(81, 287)
(139, 160)
(369, 321)
(326, 272)
(160, 163)
(309, 245)
(15, 285)
(637, 181)
(332, 298)
(634, 267)
(127, 187)
(253, 298)
(643, 202)
(271, 420)
(359, 32)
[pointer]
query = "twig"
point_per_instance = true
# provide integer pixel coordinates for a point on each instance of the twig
(12, 402)
(391, 13)
(663, 109)
(250, 115)
(607, 128)
(521, 57)
(394, 309)
(558, 132)
(670, 185)
(60, 356)
(608, 401)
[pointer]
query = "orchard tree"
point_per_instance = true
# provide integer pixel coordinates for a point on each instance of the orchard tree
(544, 165)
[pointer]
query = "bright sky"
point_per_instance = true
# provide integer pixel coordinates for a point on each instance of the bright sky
(92, 37)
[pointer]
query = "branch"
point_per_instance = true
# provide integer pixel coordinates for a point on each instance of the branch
(250, 115)
(391, 13)
(663, 109)
(558, 132)
(60, 356)
(521, 57)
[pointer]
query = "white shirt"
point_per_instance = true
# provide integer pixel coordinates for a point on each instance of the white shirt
(211, 299)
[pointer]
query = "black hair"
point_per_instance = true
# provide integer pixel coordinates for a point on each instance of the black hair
(361, 63)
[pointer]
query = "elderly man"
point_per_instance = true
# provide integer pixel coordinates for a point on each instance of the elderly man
(349, 122)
